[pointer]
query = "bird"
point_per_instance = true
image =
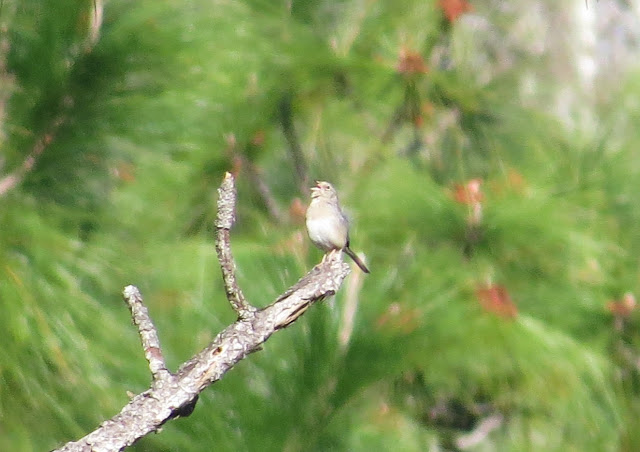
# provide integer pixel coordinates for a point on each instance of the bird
(327, 225)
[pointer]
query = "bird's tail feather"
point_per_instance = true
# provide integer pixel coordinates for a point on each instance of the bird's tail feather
(356, 259)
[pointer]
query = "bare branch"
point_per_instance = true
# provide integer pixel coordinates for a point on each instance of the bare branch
(15, 177)
(224, 221)
(175, 395)
(295, 150)
(242, 161)
(351, 302)
(481, 432)
(95, 24)
(148, 333)
(264, 191)
(12, 179)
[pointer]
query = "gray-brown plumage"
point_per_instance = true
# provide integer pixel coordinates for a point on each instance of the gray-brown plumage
(327, 225)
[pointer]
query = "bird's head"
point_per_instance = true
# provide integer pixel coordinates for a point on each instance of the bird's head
(322, 189)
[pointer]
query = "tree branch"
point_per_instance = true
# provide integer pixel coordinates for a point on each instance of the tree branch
(173, 395)
(148, 333)
(242, 161)
(263, 189)
(11, 180)
(14, 178)
(295, 150)
(224, 221)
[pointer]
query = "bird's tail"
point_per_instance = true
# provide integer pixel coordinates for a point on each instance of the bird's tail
(356, 259)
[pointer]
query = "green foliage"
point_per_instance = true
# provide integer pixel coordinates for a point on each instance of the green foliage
(130, 120)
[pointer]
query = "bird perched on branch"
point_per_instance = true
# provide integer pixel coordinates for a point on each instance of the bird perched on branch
(327, 225)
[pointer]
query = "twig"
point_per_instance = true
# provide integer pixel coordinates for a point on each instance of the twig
(295, 150)
(481, 432)
(148, 333)
(12, 179)
(175, 395)
(224, 221)
(95, 24)
(351, 302)
(265, 191)
(242, 161)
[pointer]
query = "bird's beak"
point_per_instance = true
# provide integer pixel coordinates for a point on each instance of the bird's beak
(315, 191)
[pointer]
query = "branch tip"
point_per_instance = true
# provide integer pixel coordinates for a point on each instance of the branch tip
(148, 333)
(226, 203)
(224, 221)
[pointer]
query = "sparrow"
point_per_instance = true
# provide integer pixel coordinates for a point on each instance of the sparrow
(327, 225)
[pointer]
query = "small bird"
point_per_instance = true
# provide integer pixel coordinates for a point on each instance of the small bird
(327, 225)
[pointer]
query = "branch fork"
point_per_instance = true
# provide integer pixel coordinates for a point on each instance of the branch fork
(176, 394)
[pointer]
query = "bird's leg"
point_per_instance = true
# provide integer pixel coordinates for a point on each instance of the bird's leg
(329, 254)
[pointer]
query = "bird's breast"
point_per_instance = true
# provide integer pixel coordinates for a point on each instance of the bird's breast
(328, 232)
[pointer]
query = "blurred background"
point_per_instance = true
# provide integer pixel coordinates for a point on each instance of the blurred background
(486, 152)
